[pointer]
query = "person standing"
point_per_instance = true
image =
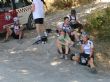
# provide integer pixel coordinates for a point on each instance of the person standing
(38, 16)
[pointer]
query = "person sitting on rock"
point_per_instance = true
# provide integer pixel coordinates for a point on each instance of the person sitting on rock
(63, 43)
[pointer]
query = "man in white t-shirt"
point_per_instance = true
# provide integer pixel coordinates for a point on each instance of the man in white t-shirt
(38, 16)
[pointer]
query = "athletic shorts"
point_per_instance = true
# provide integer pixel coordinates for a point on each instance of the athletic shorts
(39, 21)
(14, 35)
(86, 56)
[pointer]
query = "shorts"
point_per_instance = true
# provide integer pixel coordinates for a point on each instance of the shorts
(39, 21)
(86, 56)
(75, 26)
(14, 35)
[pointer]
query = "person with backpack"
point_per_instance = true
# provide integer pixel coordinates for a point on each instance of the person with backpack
(38, 16)
(73, 20)
(75, 25)
(87, 52)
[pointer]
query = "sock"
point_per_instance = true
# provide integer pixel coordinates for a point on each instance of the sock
(45, 33)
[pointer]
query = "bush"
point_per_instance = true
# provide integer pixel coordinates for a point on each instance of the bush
(98, 24)
(62, 4)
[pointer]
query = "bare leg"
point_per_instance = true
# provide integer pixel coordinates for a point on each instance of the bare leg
(21, 32)
(20, 35)
(75, 35)
(59, 46)
(91, 63)
(8, 33)
(40, 29)
(66, 48)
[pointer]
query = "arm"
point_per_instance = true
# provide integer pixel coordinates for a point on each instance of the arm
(92, 51)
(33, 7)
(81, 48)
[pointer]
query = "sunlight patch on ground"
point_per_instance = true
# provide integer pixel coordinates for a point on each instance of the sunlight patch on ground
(75, 81)
(100, 80)
(64, 70)
(5, 61)
(12, 52)
(31, 49)
(24, 71)
(1, 77)
(55, 63)
(103, 1)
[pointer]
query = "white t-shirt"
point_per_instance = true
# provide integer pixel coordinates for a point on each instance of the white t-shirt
(87, 47)
(71, 18)
(39, 9)
(64, 27)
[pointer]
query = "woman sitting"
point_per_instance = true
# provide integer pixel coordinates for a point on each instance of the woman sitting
(87, 52)
(63, 43)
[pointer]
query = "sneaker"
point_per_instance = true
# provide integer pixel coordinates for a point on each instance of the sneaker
(66, 57)
(44, 39)
(61, 56)
(46, 34)
(93, 70)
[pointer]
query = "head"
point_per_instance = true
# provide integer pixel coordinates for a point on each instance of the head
(85, 38)
(63, 32)
(73, 12)
(16, 20)
(66, 20)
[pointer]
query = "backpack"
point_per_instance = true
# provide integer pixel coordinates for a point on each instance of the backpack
(71, 17)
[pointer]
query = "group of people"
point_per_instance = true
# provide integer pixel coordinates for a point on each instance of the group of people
(71, 32)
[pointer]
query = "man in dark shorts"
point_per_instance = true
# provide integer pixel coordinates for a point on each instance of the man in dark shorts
(38, 16)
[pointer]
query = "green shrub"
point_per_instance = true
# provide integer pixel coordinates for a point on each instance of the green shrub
(62, 4)
(99, 24)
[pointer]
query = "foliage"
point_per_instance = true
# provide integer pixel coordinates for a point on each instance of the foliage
(98, 24)
(61, 4)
